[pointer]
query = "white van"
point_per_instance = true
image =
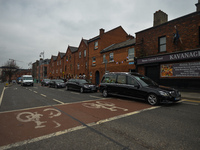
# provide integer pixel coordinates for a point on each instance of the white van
(27, 80)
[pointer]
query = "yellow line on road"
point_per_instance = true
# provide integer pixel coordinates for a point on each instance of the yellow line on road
(58, 101)
(2, 95)
(191, 101)
(35, 91)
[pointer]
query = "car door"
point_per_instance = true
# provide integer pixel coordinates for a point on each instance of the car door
(121, 85)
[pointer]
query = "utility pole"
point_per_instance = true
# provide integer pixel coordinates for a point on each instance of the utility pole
(42, 54)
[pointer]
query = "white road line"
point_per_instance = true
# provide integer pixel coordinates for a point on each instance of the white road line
(35, 91)
(58, 101)
(30, 90)
(43, 95)
(72, 129)
(95, 96)
(74, 93)
(2, 95)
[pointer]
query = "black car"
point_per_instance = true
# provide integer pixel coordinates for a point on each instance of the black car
(137, 86)
(57, 83)
(81, 85)
(45, 82)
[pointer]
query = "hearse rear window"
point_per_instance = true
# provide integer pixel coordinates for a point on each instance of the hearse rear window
(109, 79)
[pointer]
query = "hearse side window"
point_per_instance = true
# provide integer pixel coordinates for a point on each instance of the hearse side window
(121, 79)
(109, 79)
(130, 81)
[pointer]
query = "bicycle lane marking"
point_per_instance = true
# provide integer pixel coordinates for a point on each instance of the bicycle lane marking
(25, 125)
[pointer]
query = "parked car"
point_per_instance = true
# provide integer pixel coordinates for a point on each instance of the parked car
(45, 82)
(137, 86)
(57, 83)
(81, 85)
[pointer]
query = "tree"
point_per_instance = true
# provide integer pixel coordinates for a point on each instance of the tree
(9, 68)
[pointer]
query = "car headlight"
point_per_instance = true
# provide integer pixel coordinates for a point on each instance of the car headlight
(163, 93)
(86, 86)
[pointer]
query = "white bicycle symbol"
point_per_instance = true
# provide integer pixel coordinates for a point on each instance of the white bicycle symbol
(105, 105)
(35, 117)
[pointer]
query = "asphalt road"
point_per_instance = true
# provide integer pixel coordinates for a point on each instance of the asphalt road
(73, 120)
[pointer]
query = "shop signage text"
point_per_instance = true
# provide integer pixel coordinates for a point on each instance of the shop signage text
(170, 57)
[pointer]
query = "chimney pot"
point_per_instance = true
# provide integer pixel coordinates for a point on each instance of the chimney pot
(101, 31)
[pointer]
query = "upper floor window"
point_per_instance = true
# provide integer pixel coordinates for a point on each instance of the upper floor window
(96, 45)
(84, 53)
(104, 58)
(79, 54)
(162, 44)
(78, 66)
(131, 53)
(111, 58)
(67, 58)
(57, 63)
(93, 61)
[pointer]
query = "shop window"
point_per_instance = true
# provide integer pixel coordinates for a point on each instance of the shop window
(162, 44)
(131, 54)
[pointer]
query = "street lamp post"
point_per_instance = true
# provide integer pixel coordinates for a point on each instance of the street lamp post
(42, 54)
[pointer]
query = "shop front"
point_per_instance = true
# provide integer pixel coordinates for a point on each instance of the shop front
(178, 69)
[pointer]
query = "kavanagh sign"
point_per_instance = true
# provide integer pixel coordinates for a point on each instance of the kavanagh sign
(170, 57)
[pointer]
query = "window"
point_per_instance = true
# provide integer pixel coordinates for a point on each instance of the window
(162, 44)
(57, 63)
(60, 70)
(121, 79)
(79, 54)
(67, 58)
(96, 45)
(109, 79)
(84, 53)
(131, 54)
(111, 58)
(104, 58)
(78, 66)
(93, 61)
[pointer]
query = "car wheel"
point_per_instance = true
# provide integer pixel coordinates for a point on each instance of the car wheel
(81, 90)
(152, 99)
(105, 93)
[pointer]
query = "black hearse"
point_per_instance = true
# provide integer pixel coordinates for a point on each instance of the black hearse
(135, 85)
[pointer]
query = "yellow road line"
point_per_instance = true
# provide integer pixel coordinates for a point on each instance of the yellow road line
(191, 101)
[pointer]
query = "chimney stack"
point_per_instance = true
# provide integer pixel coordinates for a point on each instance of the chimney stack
(101, 31)
(159, 18)
(198, 5)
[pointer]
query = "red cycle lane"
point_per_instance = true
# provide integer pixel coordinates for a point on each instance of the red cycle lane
(27, 124)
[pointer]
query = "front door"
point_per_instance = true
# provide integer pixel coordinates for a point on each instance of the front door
(97, 77)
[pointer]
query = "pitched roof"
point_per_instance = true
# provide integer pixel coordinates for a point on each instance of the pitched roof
(62, 54)
(98, 37)
(73, 49)
(54, 57)
(112, 47)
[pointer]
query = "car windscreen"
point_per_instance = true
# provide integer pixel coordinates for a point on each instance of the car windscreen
(27, 78)
(145, 81)
(59, 81)
(82, 81)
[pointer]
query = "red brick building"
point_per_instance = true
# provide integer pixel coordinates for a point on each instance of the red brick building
(169, 52)
(81, 60)
(69, 62)
(52, 67)
(96, 45)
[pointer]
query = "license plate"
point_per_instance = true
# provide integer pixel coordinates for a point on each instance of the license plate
(177, 98)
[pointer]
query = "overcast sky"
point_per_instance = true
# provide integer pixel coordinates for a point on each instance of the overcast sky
(29, 27)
